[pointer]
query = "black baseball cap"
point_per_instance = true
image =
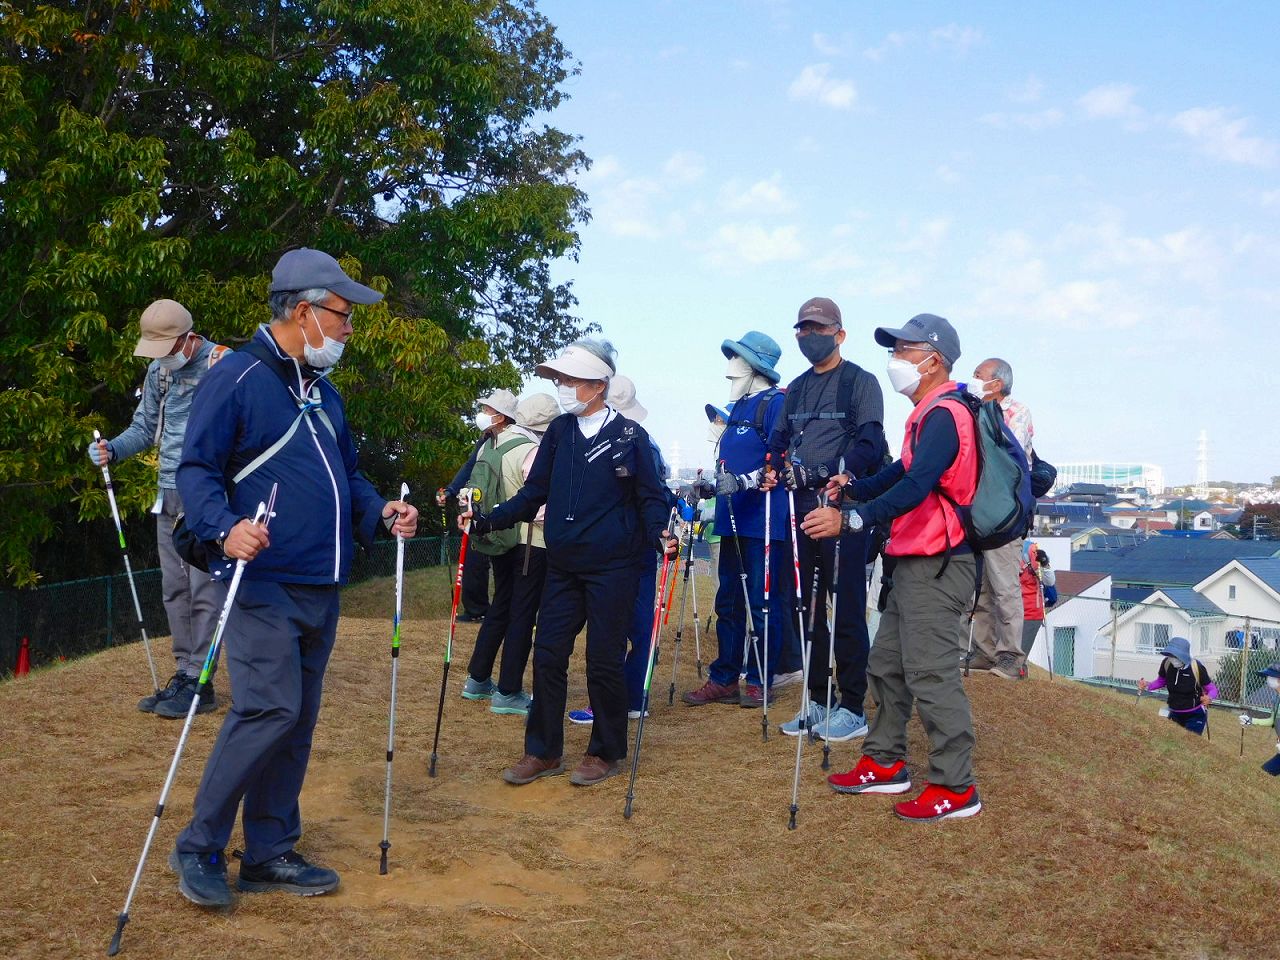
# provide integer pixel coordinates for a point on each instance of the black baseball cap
(819, 310)
(924, 328)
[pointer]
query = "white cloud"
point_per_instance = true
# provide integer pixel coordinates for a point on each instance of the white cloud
(925, 238)
(1110, 101)
(1271, 198)
(763, 196)
(1028, 92)
(684, 167)
(830, 46)
(946, 174)
(816, 84)
(1038, 120)
(1219, 135)
(737, 245)
(955, 37)
(894, 41)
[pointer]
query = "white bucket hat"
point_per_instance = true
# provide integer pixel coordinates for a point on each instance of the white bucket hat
(504, 401)
(575, 362)
(536, 412)
(622, 397)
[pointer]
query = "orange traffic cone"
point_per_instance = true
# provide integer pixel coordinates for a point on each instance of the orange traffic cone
(24, 659)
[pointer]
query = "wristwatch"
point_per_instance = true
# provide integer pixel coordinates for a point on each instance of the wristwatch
(850, 521)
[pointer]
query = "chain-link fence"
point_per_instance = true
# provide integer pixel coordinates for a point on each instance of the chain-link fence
(77, 617)
(1116, 643)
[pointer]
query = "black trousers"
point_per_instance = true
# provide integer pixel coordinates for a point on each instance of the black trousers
(603, 601)
(475, 584)
(852, 643)
(512, 614)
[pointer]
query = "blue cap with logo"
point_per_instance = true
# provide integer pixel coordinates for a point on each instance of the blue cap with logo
(924, 328)
(308, 269)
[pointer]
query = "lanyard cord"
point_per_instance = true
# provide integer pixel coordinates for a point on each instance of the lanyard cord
(573, 451)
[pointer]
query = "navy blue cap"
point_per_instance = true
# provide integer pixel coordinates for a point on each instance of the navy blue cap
(713, 411)
(307, 269)
(924, 328)
(1271, 671)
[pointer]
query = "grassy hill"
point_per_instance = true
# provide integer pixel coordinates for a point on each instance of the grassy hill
(1106, 832)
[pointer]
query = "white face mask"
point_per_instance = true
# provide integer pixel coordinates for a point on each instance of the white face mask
(483, 422)
(1273, 683)
(979, 388)
(1176, 663)
(740, 376)
(569, 402)
(715, 429)
(904, 376)
(327, 354)
(174, 362)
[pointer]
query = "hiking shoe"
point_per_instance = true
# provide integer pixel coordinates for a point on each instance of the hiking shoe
(176, 707)
(465, 617)
(289, 872)
(592, 770)
(148, 704)
(584, 718)
(479, 689)
(976, 664)
(752, 695)
(867, 776)
(530, 768)
(843, 725)
(512, 704)
(711, 692)
(202, 877)
(781, 680)
(939, 803)
(631, 714)
(808, 718)
(1006, 667)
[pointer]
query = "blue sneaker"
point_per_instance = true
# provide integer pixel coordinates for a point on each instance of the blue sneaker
(801, 721)
(478, 689)
(513, 704)
(202, 877)
(844, 725)
(582, 717)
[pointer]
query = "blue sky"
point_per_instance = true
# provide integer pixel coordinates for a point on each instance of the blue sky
(1090, 191)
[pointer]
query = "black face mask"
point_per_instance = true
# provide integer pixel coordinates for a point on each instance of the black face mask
(816, 347)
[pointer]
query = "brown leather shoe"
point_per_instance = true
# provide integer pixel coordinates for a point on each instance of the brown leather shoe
(530, 768)
(711, 692)
(592, 770)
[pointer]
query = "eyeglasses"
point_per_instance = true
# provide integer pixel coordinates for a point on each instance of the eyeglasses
(346, 317)
(568, 382)
(812, 326)
(902, 348)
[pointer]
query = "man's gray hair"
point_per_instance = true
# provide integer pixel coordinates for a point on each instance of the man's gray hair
(600, 349)
(1000, 370)
(282, 302)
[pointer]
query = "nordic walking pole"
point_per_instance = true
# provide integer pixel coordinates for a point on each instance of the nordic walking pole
(750, 639)
(697, 638)
(805, 647)
(664, 598)
(469, 496)
(969, 655)
(261, 516)
(128, 567)
(813, 613)
(831, 639)
(765, 675)
(684, 599)
(385, 845)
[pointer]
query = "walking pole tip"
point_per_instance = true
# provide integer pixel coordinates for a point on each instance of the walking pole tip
(382, 863)
(114, 948)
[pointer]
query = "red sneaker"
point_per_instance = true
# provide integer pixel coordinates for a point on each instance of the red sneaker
(939, 803)
(869, 777)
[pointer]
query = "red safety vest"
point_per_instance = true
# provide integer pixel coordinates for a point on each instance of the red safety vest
(931, 527)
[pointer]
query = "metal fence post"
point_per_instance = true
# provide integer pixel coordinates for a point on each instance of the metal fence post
(1244, 660)
(1114, 627)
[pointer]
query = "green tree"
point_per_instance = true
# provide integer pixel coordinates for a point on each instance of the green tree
(177, 148)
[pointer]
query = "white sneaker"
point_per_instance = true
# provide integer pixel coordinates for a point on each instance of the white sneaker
(635, 714)
(781, 680)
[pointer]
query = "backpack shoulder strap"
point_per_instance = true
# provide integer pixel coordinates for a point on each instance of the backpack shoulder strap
(217, 353)
(762, 409)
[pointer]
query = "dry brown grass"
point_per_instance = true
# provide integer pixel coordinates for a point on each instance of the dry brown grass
(1106, 832)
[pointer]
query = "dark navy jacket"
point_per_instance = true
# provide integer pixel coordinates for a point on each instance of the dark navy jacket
(742, 451)
(240, 409)
(608, 485)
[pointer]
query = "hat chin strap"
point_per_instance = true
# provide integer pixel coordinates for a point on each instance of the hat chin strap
(749, 386)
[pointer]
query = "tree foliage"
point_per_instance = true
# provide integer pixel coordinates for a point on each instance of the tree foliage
(176, 148)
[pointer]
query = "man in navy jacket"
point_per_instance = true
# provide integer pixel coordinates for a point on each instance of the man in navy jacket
(265, 415)
(595, 472)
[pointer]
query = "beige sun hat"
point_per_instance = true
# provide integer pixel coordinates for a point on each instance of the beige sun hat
(162, 323)
(535, 412)
(622, 397)
(504, 401)
(577, 362)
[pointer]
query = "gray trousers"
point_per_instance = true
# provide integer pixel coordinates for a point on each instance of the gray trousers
(192, 599)
(278, 640)
(997, 623)
(915, 661)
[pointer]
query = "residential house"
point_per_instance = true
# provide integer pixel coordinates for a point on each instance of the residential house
(1072, 623)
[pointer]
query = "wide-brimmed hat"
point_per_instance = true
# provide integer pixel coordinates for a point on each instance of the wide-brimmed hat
(504, 401)
(535, 412)
(713, 411)
(162, 323)
(1178, 647)
(760, 351)
(307, 269)
(622, 397)
(575, 362)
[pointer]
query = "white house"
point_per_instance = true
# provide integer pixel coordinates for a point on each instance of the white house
(1250, 588)
(1084, 604)
(1142, 631)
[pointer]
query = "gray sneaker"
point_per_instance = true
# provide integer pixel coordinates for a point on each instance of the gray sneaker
(148, 703)
(202, 877)
(513, 704)
(844, 725)
(1006, 667)
(810, 720)
(479, 689)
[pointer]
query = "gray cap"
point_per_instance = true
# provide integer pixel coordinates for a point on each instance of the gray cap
(307, 269)
(924, 328)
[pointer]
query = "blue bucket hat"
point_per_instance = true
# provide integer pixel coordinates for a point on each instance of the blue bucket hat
(760, 350)
(722, 412)
(1271, 671)
(1272, 766)
(1178, 647)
